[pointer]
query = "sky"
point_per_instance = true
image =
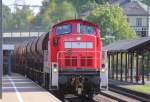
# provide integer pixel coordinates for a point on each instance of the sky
(27, 2)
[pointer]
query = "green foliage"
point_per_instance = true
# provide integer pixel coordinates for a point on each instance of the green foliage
(109, 18)
(111, 21)
(58, 12)
(37, 23)
(55, 11)
(7, 18)
(23, 18)
(82, 6)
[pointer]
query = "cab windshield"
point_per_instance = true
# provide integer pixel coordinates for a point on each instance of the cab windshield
(63, 29)
(85, 29)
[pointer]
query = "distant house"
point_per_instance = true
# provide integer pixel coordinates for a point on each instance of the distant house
(137, 15)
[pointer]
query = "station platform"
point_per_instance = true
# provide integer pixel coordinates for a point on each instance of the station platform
(17, 88)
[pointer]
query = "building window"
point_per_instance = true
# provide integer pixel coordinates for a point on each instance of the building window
(141, 33)
(138, 21)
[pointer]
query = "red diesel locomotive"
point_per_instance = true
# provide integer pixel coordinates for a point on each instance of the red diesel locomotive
(66, 58)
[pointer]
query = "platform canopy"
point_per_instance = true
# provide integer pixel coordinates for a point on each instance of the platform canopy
(138, 44)
(129, 60)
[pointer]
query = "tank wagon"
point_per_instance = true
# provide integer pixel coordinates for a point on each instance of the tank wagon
(68, 58)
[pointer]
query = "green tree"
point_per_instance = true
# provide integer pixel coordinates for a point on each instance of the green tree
(58, 11)
(23, 18)
(7, 18)
(83, 6)
(38, 23)
(112, 22)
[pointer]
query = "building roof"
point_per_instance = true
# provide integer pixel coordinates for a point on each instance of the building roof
(128, 45)
(132, 7)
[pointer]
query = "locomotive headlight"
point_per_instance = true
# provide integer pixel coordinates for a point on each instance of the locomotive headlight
(103, 70)
(55, 70)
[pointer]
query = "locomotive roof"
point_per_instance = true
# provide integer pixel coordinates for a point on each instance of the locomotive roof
(76, 20)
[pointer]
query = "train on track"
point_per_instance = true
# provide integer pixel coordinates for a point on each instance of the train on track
(67, 58)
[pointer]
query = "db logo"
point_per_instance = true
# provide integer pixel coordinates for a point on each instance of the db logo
(68, 51)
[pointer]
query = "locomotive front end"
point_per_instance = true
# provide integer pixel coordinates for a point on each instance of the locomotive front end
(76, 47)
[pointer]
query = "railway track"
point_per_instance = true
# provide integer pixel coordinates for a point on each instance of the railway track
(125, 95)
(72, 98)
(116, 93)
(77, 99)
(112, 97)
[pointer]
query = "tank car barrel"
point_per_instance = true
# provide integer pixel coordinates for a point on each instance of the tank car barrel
(42, 43)
(33, 47)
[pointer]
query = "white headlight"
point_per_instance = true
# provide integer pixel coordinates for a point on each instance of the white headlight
(103, 69)
(55, 70)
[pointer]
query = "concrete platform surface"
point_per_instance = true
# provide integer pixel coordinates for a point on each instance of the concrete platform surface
(17, 88)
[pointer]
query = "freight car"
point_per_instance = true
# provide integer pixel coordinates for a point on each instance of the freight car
(68, 58)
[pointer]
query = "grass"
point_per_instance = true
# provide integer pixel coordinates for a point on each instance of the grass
(141, 88)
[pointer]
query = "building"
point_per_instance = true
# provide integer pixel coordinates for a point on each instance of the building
(138, 15)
